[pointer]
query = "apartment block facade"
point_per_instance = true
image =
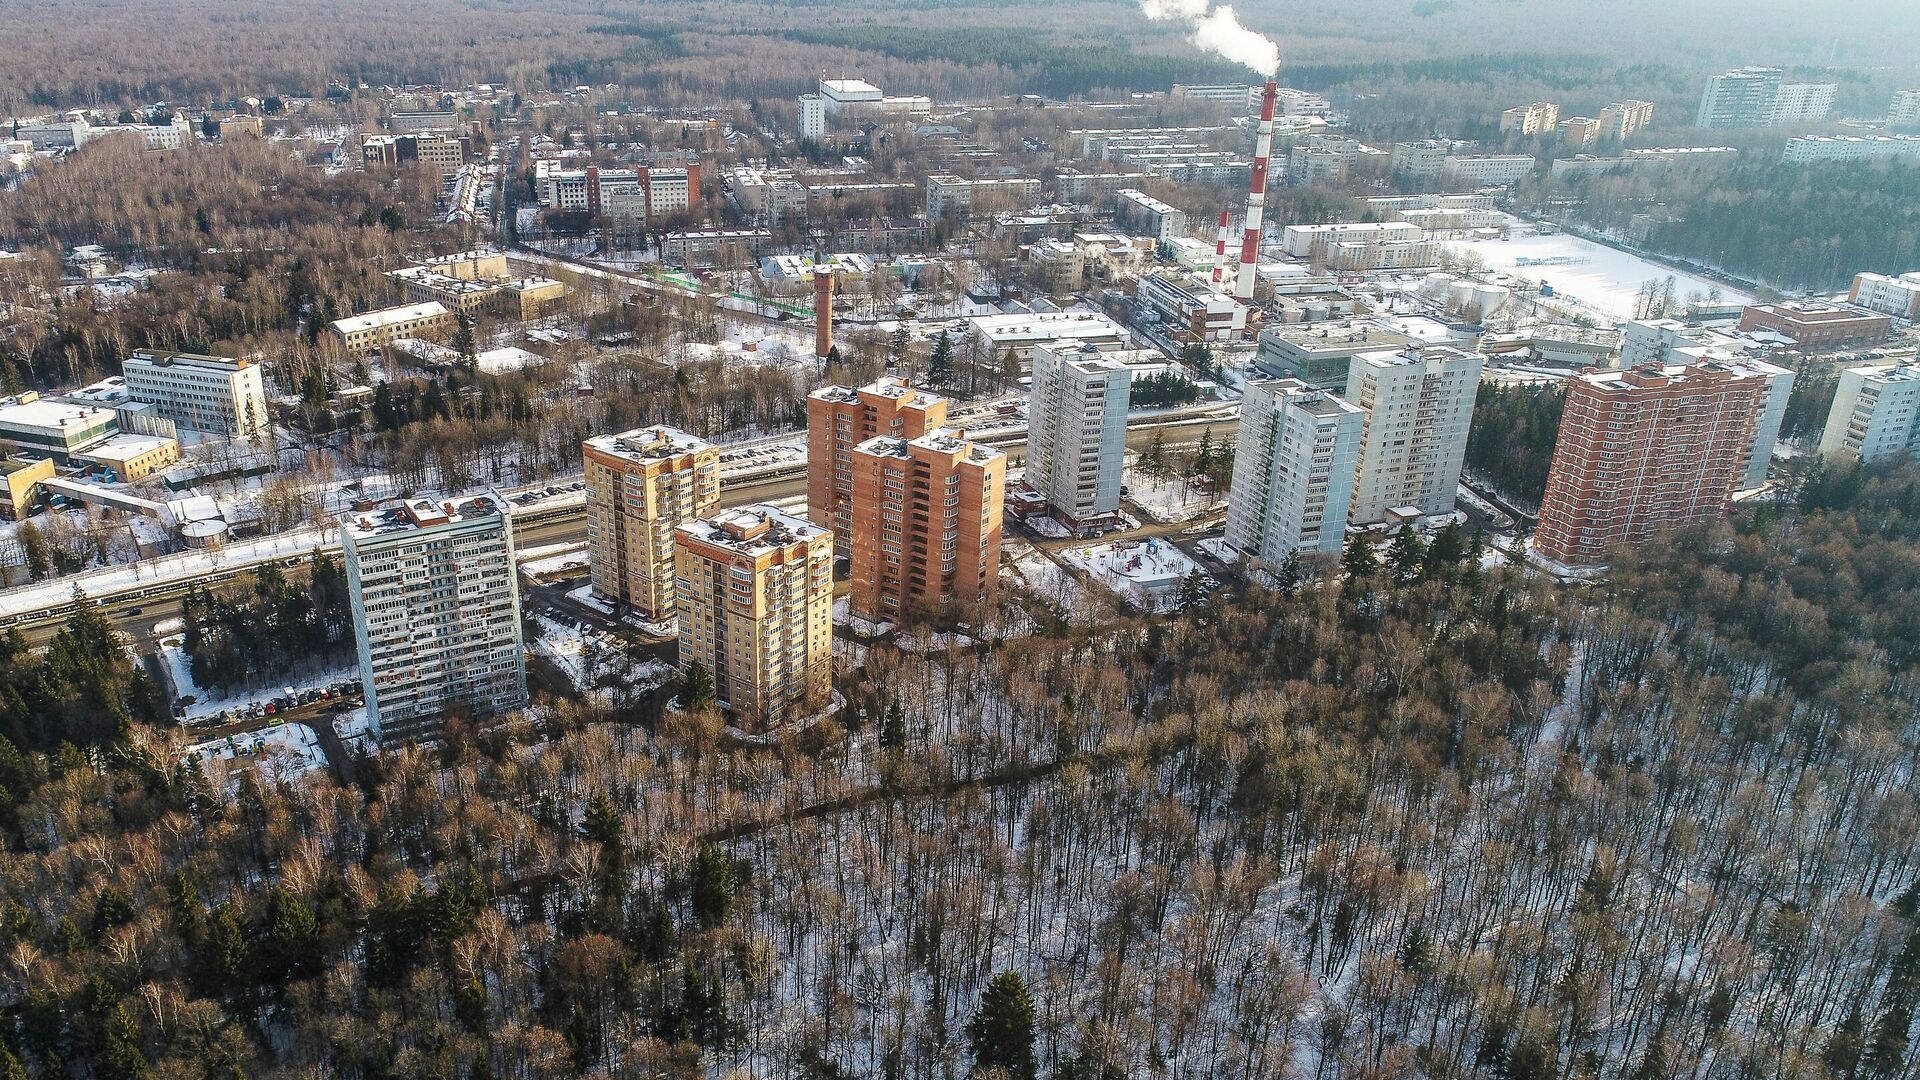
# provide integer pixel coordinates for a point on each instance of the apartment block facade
(641, 486)
(200, 393)
(1077, 431)
(436, 610)
(755, 589)
(1293, 470)
(1535, 119)
(840, 418)
(1643, 451)
(927, 515)
(1873, 414)
(1419, 406)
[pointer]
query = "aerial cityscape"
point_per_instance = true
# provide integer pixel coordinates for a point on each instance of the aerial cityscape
(955, 538)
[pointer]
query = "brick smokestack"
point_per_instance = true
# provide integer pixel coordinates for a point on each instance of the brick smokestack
(1220, 253)
(822, 310)
(1257, 194)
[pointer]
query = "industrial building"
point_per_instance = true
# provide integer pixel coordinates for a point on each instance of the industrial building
(1321, 354)
(755, 602)
(1816, 326)
(436, 610)
(373, 329)
(479, 280)
(58, 428)
(641, 486)
(1895, 296)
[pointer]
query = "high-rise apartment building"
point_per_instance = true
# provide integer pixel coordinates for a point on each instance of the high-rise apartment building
(1873, 413)
(200, 393)
(927, 516)
(1739, 99)
(641, 486)
(1419, 406)
(1799, 103)
(1293, 470)
(1622, 119)
(1077, 431)
(840, 418)
(1754, 97)
(1904, 111)
(436, 610)
(755, 594)
(1535, 119)
(1642, 451)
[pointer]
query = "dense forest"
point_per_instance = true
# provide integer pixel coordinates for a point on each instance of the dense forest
(1510, 445)
(252, 246)
(1785, 225)
(1456, 824)
(267, 626)
(1413, 67)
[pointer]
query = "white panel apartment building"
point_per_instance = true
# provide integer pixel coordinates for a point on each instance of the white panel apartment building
(200, 393)
(1419, 406)
(1293, 470)
(1873, 413)
(1077, 431)
(436, 610)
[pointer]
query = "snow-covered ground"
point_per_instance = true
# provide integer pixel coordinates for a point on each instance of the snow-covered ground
(208, 703)
(1144, 573)
(1606, 281)
(589, 658)
(1165, 501)
(281, 751)
(552, 559)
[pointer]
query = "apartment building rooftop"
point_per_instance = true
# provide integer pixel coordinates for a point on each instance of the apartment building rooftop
(406, 515)
(649, 444)
(752, 530)
(886, 387)
(942, 440)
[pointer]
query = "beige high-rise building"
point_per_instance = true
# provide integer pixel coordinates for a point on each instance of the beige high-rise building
(840, 418)
(755, 597)
(641, 486)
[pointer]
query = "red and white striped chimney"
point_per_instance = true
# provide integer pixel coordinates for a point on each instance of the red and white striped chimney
(1220, 253)
(1257, 194)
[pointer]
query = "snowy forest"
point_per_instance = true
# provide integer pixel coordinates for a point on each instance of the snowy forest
(1451, 824)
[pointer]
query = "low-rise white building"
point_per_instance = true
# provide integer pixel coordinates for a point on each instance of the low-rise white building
(1895, 296)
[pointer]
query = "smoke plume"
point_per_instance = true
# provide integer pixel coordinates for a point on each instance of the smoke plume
(1218, 30)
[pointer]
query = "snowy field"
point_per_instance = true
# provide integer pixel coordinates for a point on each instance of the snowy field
(1607, 281)
(1146, 574)
(1165, 501)
(591, 659)
(280, 752)
(209, 704)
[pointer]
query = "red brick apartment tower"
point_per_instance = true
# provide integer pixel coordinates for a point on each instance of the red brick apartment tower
(840, 418)
(1643, 451)
(926, 523)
